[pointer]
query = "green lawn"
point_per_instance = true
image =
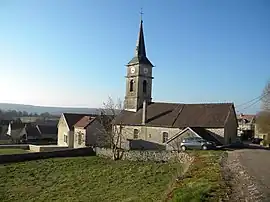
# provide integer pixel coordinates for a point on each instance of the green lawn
(86, 179)
(98, 179)
(203, 181)
(12, 151)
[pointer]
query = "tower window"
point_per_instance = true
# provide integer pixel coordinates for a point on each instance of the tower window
(136, 134)
(144, 86)
(165, 137)
(131, 85)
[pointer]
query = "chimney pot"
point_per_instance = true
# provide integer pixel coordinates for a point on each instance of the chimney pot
(144, 113)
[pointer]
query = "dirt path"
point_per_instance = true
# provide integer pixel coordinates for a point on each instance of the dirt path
(242, 175)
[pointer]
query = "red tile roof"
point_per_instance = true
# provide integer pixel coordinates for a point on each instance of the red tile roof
(72, 118)
(84, 122)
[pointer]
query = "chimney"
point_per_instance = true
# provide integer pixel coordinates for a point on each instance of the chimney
(144, 113)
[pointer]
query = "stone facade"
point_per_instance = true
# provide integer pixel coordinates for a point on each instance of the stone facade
(218, 133)
(92, 135)
(151, 134)
(157, 156)
(136, 76)
(230, 129)
(155, 134)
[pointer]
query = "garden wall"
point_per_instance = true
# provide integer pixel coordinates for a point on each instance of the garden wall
(12, 158)
(15, 146)
(146, 155)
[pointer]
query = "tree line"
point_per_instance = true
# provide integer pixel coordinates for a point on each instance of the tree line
(11, 114)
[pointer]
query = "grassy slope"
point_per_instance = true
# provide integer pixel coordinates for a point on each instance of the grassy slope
(12, 151)
(85, 179)
(203, 181)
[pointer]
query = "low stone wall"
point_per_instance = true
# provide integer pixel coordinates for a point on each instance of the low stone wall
(15, 146)
(12, 158)
(46, 148)
(147, 155)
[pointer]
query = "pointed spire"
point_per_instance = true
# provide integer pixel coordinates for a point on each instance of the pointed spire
(140, 46)
(140, 51)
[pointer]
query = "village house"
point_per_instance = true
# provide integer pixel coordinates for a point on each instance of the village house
(246, 125)
(79, 130)
(31, 132)
(16, 131)
(89, 132)
(158, 122)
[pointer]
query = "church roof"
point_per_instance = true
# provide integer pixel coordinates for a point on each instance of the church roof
(210, 115)
(140, 51)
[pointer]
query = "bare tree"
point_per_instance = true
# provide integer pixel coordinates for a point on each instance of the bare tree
(263, 117)
(175, 144)
(263, 122)
(266, 98)
(112, 132)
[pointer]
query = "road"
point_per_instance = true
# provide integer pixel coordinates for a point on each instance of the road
(250, 174)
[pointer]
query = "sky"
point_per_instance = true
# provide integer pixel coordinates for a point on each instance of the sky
(73, 53)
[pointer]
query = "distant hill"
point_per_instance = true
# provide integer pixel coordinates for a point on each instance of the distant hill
(51, 110)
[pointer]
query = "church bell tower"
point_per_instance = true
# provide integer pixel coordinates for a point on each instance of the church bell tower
(139, 76)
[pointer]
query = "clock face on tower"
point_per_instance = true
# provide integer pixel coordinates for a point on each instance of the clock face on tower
(145, 70)
(132, 70)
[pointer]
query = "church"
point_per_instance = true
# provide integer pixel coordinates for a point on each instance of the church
(152, 124)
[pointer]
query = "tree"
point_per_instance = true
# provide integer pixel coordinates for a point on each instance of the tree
(266, 98)
(112, 132)
(263, 122)
(263, 117)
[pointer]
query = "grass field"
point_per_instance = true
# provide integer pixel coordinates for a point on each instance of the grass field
(12, 151)
(97, 179)
(203, 181)
(85, 179)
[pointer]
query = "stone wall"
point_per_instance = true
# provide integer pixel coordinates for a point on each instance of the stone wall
(136, 155)
(15, 146)
(12, 158)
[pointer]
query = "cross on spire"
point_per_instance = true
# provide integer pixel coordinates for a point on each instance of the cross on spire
(141, 13)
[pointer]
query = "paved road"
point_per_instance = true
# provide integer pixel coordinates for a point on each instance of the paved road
(250, 170)
(257, 164)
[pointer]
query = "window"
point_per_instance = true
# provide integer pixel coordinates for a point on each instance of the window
(136, 134)
(144, 86)
(80, 137)
(165, 137)
(65, 138)
(131, 85)
(149, 135)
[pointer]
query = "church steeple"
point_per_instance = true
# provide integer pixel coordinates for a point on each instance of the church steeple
(139, 77)
(140, 46)
(140, 51)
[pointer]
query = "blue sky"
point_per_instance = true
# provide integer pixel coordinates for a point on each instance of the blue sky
(73, 53)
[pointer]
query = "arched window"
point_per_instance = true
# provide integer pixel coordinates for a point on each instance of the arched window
(144, 86)
(136, 134)
(164, 137)
(131, 85)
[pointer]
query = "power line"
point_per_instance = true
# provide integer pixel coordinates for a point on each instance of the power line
(259, 97)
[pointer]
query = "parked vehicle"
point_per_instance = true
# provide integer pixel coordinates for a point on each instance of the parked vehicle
(196, 143)
(256, 140)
